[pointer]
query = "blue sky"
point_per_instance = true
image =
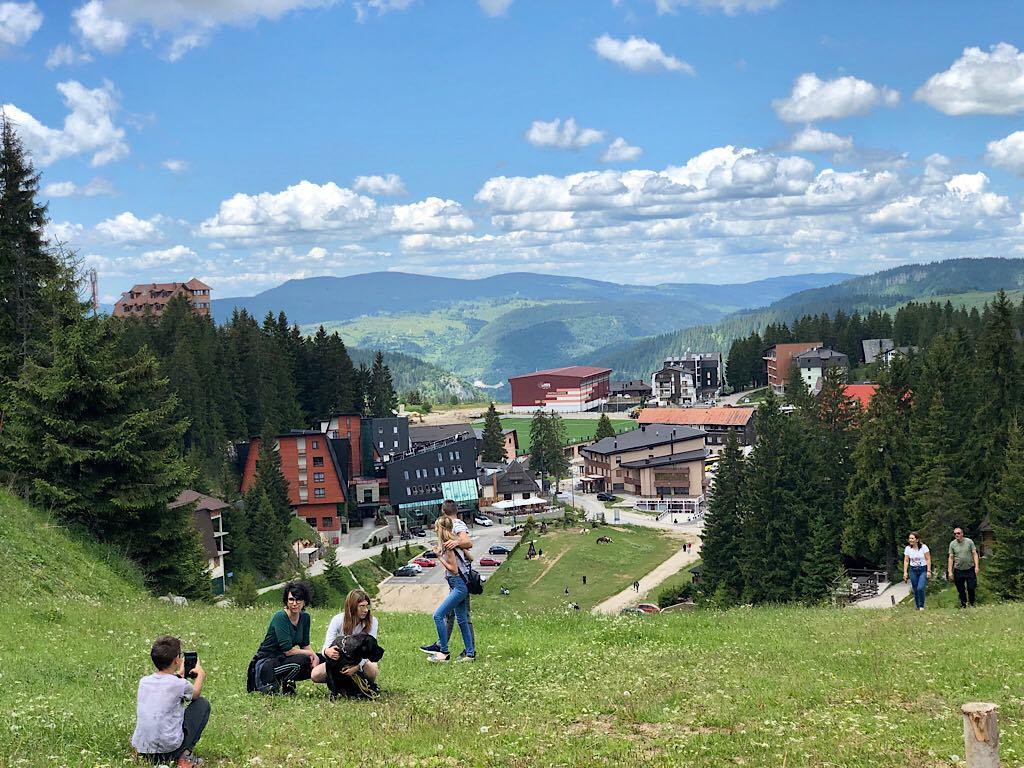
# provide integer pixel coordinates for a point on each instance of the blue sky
(246, 142)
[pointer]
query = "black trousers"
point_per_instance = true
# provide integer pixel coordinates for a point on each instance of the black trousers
(966, 581)
(197, 715)
(274, 670)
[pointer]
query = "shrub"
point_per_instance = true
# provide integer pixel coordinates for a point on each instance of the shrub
(243, 591)
(678, 594)
(324, 595)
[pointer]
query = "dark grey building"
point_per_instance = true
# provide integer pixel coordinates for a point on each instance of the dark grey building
(687, 379)
(420, 479)
(389, 435)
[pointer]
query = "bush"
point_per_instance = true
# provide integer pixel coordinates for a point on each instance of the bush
(243, 592)
(324, 595)
(679, 594)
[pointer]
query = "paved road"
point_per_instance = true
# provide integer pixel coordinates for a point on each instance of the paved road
(883, 599)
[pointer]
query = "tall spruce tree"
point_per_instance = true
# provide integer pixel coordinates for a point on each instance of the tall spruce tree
(604, 428)
(236, 525)
(94, 436)
(493, 440)
(268, 536)
(876, 519)
(822, 562)
(777, 500)
(382, 400)
(1007, 519)
(37, 283)
(271, 480)
(720, 550)
(555, 439)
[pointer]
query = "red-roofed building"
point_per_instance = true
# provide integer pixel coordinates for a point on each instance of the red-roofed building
(717, 423)
(150, 299)
(862, 393)
(572, 389)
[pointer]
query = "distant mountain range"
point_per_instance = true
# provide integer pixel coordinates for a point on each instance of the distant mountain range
(489, 329)
(881, 290)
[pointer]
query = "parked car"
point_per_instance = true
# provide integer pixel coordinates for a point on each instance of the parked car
(489, 561)
(649, 608)
(407, 570)
(429, 554)
(423, 562)
(421, 533)
(414, 566)
(497, 549)
(482, 521)
(605, 496)
(404, 535)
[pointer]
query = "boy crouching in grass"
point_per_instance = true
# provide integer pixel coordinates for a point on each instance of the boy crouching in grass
(170, 713)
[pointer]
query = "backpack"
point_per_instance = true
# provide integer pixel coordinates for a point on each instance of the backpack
(474, 583)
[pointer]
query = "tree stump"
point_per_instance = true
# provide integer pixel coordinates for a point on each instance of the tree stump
(981, 735)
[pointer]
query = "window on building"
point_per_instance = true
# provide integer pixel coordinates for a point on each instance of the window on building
(318, 477)
(442, 471)
(319, 493)
(318, 461)
(457, 456)
(367, 494)
(408, 491)
(437, 471)
(316, 443)
(440, 457)
(508, 497)
(380, 444)
(328, 522)
(311, 521)
(396, 444)
(406, 473)
(395, 430)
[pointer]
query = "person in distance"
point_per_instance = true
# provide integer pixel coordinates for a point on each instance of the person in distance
(917, 567)
(285, 657)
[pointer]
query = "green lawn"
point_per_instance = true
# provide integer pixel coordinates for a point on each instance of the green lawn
(539, 584)
(576, 430)
(760, 688)
(754, 397)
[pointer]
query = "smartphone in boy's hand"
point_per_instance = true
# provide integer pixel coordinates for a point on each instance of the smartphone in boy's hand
(191, 659)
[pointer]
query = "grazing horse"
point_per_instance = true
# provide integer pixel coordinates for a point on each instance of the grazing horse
(603, 540)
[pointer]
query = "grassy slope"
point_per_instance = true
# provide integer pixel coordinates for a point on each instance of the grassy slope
(763, 687)
(539, 585)
(576, 430)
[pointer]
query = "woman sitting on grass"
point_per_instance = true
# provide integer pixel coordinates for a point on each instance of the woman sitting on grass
(284, 656)
(456, 563)
(355, 619)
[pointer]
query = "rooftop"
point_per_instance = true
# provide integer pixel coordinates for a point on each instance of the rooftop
(820, 353)
(727, 416)
(861, 392)
(665, 461)
(583, 371)
(646, 436)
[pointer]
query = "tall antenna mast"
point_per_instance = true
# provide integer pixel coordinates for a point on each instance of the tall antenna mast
(94, 291)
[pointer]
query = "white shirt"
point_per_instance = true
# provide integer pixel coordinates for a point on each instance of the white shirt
(459, 526)
(335, 627)
(916, 556)
(160, 713)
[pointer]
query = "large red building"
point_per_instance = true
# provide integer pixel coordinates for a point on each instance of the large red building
(314, 466)
(572, 389)
(150, 299)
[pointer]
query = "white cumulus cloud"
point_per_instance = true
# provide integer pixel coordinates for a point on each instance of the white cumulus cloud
(728, 7)
(390, 185)
(812, 139)
(621, 151)
(98, 29)
(639, 55)
(94, 188)
(175, 166)
(127, 228)
(18, 22)
(979, 83)
(1007, 153)
(88, 128)
(563, 135)
(815, 99)
(64, 55)
(494, 7)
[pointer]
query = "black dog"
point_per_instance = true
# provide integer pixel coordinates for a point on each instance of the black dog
(353, 649)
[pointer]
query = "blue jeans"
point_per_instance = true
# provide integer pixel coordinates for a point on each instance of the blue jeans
(457, 600)
(918, 581)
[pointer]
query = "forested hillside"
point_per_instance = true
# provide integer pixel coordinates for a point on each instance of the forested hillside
(882, 290)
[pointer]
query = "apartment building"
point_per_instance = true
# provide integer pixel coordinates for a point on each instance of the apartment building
(150, 299)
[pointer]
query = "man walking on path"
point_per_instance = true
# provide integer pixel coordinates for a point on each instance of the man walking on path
(636, 587)
(963, 566)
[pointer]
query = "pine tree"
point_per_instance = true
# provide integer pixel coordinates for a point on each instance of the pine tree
(538, 444)
(832, 436)
(268, 536)
(604, 428)
(493, 440)
(244, 593)
(37, 283)
(722, 527)
(334, 572)
(876, 520)
(236, 524)
(822, 563)
(93, 436)
(1007, 519)
(271, 480)
(797, 394)
(382, 400)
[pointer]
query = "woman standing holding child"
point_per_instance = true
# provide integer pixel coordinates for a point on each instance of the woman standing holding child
(355, 619)
(917, 567)
(456, 563)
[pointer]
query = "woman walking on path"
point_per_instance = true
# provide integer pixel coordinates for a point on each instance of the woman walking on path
(917, 567)
(456, 563)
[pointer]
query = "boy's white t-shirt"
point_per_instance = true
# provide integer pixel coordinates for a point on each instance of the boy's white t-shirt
(160, 713)
(916, 556)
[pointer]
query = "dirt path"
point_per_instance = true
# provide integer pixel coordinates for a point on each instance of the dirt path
(410, 598)
(629, 596)
(548, 568)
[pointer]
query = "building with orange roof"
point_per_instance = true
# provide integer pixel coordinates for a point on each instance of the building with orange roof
(717, 423)
(862, 393)
(150, 299)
